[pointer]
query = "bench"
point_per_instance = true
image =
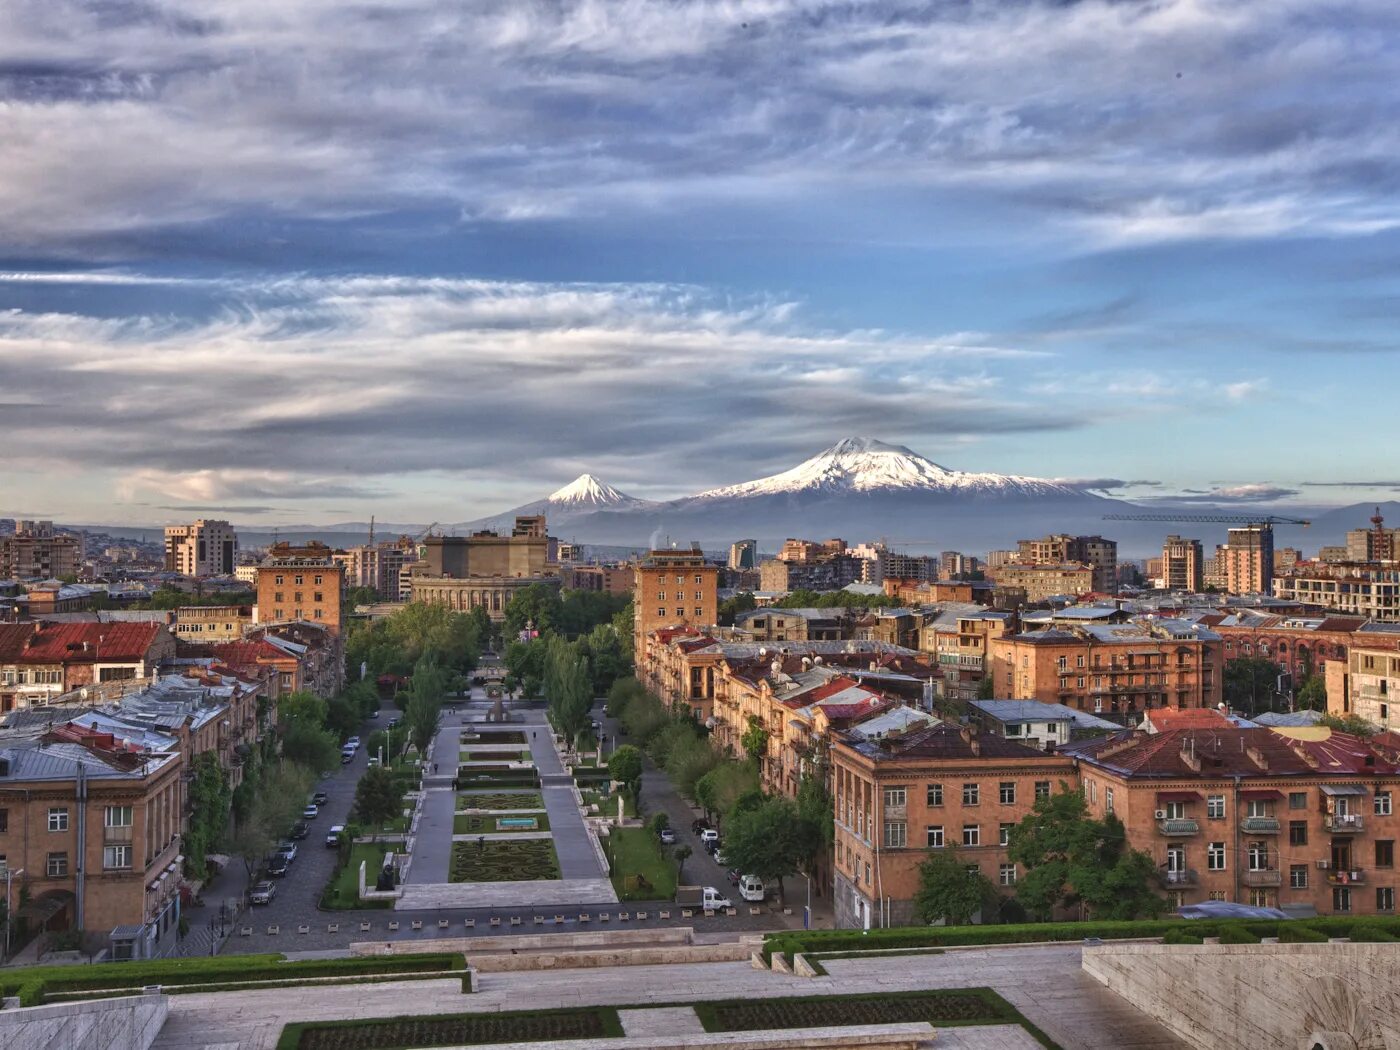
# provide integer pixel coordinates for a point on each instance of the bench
(303, 928)
(332, 927)
(471, 923)
(245, 931)
(495, 920)
(394, 925)
(364, 927)
(416, 924)
(273, 930)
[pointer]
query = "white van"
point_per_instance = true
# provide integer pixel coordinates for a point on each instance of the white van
(751, 888)
(333, 836)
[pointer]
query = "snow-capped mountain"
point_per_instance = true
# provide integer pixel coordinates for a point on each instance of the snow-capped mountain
(582, 496)
(864, 464)
(587, 491)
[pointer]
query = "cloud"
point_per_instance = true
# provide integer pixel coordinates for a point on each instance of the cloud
(1194, 119)
(340, 388)
(1352, 484)
(1260, 492)
(206, 508)
(1104, 484)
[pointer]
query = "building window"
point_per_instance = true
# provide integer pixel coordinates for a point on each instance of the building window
(1215, 856)
(316, 596)
(1382, 802)
(1006, 791)
(933, 795)
(1259, 898)
(1042, 789)
(278, 580)
(4, 820)
(1385, 853)
(298, 580)
(1298, 876)
(56, 865)
(1006, 874)
(116, 857)
(1258, 808)
(1004, 834)
(1341, 898)
(1385, 898)
(1297, 832)
(1297, 800)
(316, 580)
(699, 612)
(896, 834)
(58, 820)
(1215, 807)
(660, 612)
(1218, 895)
(972, 835)
(895, 797)
(971, 795)
(933, 835)
(1175, 810)
(296, 596)
(117, 817)
(1108, 800)
(1258, 856)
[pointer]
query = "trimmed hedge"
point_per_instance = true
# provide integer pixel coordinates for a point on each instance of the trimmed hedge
(1367, 933)
(507, 1026)
(34, 982)
(1238, 935)
(1297, 933)
(825, 941)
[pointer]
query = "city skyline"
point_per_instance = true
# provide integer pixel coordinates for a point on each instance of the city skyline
(426, 260)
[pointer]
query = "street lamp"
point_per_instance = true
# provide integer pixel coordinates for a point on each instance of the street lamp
(9, 915)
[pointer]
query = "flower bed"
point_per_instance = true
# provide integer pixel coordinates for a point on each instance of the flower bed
(395, 1033)
(504, 860)
(495, 756)
(487, 736)
(486, 824)
(956, 1006)
(501, 800)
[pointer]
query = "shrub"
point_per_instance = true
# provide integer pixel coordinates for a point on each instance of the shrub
(1368, 933)
(31, 993)
(1296, 933)
(1238, 935)
(467, 982)
(1180, 937)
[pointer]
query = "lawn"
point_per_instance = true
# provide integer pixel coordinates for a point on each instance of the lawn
(504, 861)
(501, 800)
(640, 870)
(484, 824)
(343, 891)
(607, 804)
(495, 756)
(393, 1033)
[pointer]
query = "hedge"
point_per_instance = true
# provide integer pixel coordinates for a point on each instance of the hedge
(36, 981)
(825, 941)
(429, 1030)
(1300, 934)
(1238, 935)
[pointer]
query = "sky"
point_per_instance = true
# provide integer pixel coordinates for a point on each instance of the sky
(304, 261)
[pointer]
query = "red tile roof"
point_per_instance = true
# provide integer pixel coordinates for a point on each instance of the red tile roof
(1164, 718)
(1231, 751)
(946, 740)
(58, 643)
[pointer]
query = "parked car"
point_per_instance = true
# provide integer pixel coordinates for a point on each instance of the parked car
(354, 742)
(333, 836)
(288, 849)
(752, 889)
(300, 829)
(393, 723)
(668, 837)
(709, 837)
(719, 857)
(320, 798)
(347, 756)
(373, 761)
(262, 893)
(310, 813)
(277, 865)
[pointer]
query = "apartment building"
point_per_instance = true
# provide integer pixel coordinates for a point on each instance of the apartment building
(1367, 684)
(486, 569)
(606, 579)
(899, 798)
(674, 588)
(294, 586)
(743, 554)
(37, 551)
(43, 660)
(1369, 591)
(205, 548)
(1099, 554)
(959, 644)
(1112, 669)
(90, 828)
(212, 623)
(1183, 565)
(1043, 582)
(1374, 544)
(777, 624)
(1249, 559)
(1299, 819)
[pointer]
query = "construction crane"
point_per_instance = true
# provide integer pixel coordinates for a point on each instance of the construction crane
(1220, 519)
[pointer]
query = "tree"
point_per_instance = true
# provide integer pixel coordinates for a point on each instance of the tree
(1312, 694)
(360, 596)
(755, 739)
(625, 767)
(302, 706)
(423, 710)
(719, 790)
(659, 823)
(280, 796)
(1349, 723)
(950, 891)
(1071, 858)
(568, 687)
(732, 607)
(816, 811)
(537, 606)
(1251, 683)
(342, 717)
(681, 853)
(625, 623)
(377, 798)
(310, 745)
(210, 802)
(765, 840)
(987, 687)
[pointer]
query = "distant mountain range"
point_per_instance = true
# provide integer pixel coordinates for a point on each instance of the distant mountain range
(860, 489)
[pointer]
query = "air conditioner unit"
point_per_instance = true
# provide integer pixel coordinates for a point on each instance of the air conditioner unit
(1161, 814)
(1324, 864)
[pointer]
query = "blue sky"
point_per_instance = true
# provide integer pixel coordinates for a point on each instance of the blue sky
(308, 262)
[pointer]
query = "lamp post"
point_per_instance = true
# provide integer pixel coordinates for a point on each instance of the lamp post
(9, 914)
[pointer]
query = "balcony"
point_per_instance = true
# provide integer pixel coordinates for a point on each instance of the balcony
(1182, 877)
(1176, 827)
(1262, 877)
(1260, 825)
(1349, 877)
(1344, 823)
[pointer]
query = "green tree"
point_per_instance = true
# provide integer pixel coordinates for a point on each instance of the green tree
(816, 810)
(377, 798)
(396, 643)
(755, 739)
(281, 794)
(211, 801)
(568, 687)
(1251, 683)
(765, 840)
(719, 790)
(732, 607)
(624, 623)
(537, 605)
(625, 767)
(1312, 694)
(361, 596)
(987, 687)
(423, 710)
(1349, 723)
(302, 706)
(1070, 858)
(525, 662)
(342, 717)
(950, 891)
(682, 854)
(582, 611)
(310, 745)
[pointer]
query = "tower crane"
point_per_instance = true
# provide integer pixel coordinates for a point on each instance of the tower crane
(1221, 519)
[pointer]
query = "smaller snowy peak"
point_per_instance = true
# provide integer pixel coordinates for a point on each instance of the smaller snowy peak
(586, 490)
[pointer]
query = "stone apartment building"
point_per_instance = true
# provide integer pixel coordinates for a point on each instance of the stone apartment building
(932, 788)
(776, 624)
(606, 579)
(1370, 591)
(1043, 582)
(674, 588)
(1099, 554)
(1183, 565)
(1300, 819)
(1112, 669)
(1249, 559)
(42, 660)
(959, 645)
(204, 548)
(37, 551)
(301, 586)
(1367, 684)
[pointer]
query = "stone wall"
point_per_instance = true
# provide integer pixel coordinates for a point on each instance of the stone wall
(130, 1023)
(1218, 997)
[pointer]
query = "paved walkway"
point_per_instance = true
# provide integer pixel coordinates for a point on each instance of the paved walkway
(432, 845)
(1045, 983)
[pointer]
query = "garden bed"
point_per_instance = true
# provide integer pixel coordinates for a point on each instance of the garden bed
(502, 800)
(488, 824)
(642, 869)
(508, 736)
(504, 860)
(343, 890)
(397, 1033)
(495, 756)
